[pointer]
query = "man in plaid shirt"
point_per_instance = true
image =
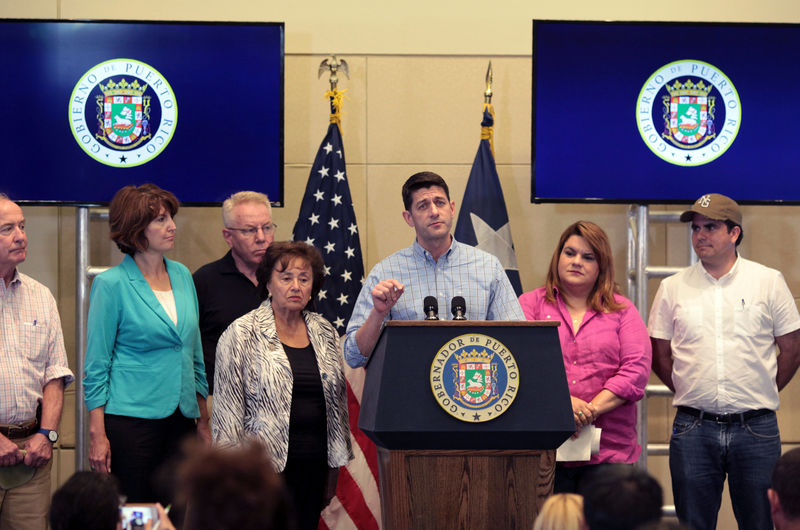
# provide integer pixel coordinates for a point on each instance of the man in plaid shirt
(33, 374)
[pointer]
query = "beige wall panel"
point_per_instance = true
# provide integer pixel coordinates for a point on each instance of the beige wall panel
(307, 111)
(425, 110)
(660, 413)
(66, 279)
(66, 431)
(41, 263)
(419, 26)
(772, 237)
(29, 9)
(65, 467)
(789, 413)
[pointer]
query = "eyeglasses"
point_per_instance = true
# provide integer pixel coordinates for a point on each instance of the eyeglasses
(253, 230)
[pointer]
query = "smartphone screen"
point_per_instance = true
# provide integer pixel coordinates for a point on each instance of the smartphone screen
(139, 517)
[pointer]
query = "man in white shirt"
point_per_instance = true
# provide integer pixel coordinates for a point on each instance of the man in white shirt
(33, 374)
(714, 328)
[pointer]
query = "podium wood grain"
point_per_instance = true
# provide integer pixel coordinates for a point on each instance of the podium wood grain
(463, 489)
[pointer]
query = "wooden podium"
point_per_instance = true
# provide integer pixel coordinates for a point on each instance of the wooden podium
(438, 471)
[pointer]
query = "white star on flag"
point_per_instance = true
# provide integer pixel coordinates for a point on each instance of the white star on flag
(314, 219)
(342, 299)
(333, 223)
(319, 195)
(323, 294)
(330, 246)
(339, 175)
(346, 275)
(353, 229)
(323, 172)
(350, 252)
(328, 148)
(495, 242)
(337, 200)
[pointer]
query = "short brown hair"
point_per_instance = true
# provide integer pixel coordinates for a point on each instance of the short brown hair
(423, 179)
(601, 297)
(279, 255)
(234, 487)
(132, 209)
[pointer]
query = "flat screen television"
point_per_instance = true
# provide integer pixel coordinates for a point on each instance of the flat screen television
(91, 106)
(663, 112)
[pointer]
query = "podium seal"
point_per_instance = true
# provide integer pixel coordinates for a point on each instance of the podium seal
(474, 377)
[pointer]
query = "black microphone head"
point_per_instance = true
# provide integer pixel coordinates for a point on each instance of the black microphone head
(431, 304)
(458, 305)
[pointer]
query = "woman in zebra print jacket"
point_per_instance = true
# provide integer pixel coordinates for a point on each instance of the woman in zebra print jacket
(279, 379)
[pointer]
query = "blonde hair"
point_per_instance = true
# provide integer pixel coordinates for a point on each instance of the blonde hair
(562, 511)
(239, 198)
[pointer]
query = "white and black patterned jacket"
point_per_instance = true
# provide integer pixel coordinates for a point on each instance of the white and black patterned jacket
(253, 385)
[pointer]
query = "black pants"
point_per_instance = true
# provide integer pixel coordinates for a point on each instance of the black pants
(144, 453)
(306, 480)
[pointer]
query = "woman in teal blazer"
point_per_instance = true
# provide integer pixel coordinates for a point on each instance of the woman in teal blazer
(144, 380)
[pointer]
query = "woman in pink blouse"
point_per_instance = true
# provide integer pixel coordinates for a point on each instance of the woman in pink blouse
(605, 346)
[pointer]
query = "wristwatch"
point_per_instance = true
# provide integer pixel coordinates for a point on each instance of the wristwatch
(49, 434)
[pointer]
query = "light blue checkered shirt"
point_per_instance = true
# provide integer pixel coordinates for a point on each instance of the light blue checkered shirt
(462, 271)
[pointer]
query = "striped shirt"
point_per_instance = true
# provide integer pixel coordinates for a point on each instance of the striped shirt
(462, 271)
(31, 347)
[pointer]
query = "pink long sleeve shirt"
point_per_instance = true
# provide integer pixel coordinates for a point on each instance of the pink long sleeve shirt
(611, 351)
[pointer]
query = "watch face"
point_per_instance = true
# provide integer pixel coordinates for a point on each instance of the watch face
(52, 436)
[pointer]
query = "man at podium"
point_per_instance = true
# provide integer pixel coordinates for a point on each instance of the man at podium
(435, 265)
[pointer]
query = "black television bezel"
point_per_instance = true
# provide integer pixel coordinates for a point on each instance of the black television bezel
(595, 200)
(282, 25)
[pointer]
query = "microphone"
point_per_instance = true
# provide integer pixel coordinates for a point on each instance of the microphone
(459, 307)
(431, 308)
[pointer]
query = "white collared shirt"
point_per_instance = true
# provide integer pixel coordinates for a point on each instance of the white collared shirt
(722, 334)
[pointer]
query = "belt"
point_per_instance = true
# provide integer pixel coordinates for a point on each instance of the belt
(22, 430)
(736, 417)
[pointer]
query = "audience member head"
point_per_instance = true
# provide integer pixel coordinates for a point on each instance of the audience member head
(562, 511)
(784, 495)
(587, 236)
(86, 500)
(132, 210)
(279, 256)
(423, 179)
(233, 488)
(621, 498)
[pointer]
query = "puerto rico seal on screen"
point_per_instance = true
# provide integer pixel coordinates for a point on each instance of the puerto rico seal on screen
(474, 377)
(688, 113)
(123, 112)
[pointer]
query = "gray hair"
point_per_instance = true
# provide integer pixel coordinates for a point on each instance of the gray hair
(239, 198)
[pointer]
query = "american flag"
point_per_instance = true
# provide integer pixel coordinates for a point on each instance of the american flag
(327, 221)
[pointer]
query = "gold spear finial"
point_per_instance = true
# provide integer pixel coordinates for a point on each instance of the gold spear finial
(332, 65)
(487, 95)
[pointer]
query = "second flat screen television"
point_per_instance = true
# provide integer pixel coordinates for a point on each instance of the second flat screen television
(648, 112)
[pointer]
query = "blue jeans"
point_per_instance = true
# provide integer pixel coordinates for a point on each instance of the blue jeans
(703, 452)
